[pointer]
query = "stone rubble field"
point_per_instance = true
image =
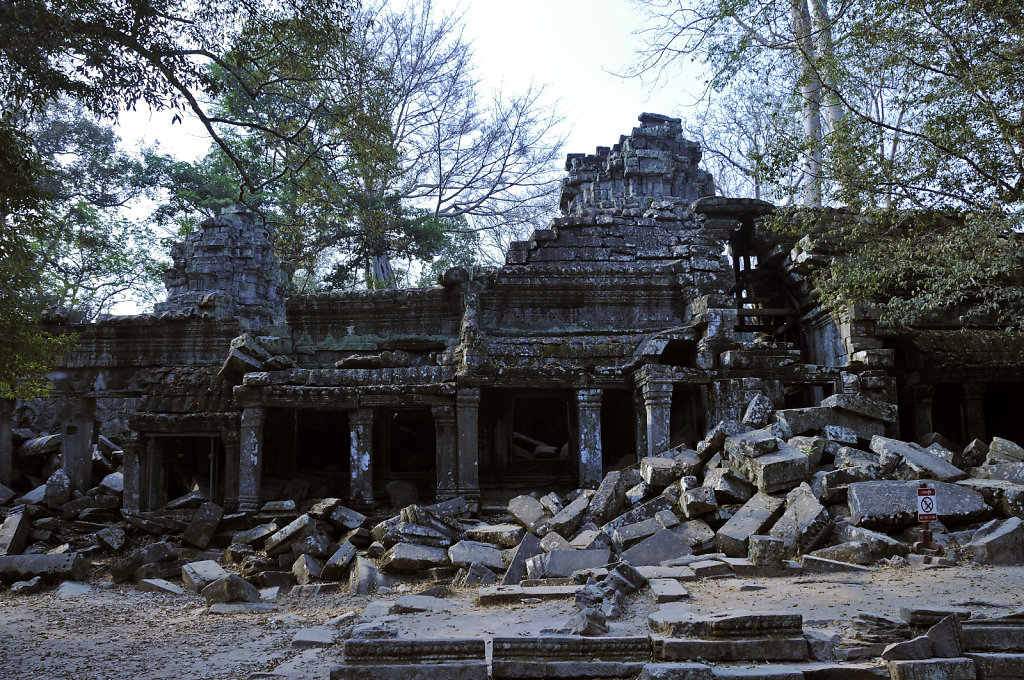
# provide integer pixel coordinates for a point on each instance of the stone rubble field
(780, 547)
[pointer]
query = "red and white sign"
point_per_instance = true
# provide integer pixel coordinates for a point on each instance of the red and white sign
(927, 509)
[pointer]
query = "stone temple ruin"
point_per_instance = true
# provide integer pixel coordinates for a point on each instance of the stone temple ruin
(653, 343)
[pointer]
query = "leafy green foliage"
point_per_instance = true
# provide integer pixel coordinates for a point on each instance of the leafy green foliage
(89, 255)
(26, 350)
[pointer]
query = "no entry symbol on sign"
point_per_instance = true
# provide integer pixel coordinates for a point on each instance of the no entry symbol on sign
(926, 508)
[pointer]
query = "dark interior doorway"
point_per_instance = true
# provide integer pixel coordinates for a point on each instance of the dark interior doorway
(407, 449)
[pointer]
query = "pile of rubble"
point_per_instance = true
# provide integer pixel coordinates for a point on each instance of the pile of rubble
(810, 489)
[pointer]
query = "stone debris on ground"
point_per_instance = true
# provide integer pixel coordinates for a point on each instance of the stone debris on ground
(820, 491)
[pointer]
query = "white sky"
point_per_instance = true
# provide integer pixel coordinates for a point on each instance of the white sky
(568, 45)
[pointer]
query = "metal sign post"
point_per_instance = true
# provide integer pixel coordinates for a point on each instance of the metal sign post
(927, 511)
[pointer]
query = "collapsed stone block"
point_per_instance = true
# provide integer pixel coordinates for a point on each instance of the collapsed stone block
(50, 568)
(307, 569)
(999, 542)
(759, 411)
(570, 518)
(230, 588)
(890, 506)
(804, 523)
(516, 572)
(767, 551)
(660, 472)
(728, 486)
(608, 500)
(154, 552)
(932, 669)
(913, 462)
(14, 533)
(751, 444)
(334, 568)
(465, 553)
(756, 515)
(528, 511)
(501, 535)
(204, 525)
(410, 558)
(661, 546)
(698, 501)
(774, 472)
(562, 563)
(198, 575)
(1004, 451)
(630, 534)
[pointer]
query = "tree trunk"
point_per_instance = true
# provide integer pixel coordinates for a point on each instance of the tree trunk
(822, 24)
(383, 275)
(810, 95)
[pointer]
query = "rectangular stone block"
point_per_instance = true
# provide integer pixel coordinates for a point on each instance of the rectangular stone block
(511, 594)
(756, 515)
(774, 472)
(569, 657)
(991, 635)
(667, 590)
(405, 659)
(998, 666)
(14, 533)
(564, 562)
(663, 545)
(203, 526)
(52, 568)
(680, 621)
(734, 649)
(933, 669)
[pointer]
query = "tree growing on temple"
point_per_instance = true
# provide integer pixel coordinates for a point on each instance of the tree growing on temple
(908, 114)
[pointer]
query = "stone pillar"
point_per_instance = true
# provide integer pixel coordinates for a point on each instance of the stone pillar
(156, 486)
(639, 425)
(588, 414)
(250, 458)
(467, 404)
(446, 461)
(919, 399)
(972, 411)
(361, 455)
(6, 441)
(132, 471)
(232, 464)
(658, 405)
(76, 442)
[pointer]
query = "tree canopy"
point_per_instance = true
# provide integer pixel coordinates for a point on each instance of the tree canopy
(111, 56)
(417, 156)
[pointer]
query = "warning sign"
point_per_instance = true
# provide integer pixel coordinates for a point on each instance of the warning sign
(927, 510)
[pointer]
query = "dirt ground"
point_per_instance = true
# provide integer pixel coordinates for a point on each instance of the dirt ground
(117, 633)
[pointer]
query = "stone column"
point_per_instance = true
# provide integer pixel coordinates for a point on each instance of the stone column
(972, 411)
(446, 460)
(360, 423)
(467, 404)
(250, 458)
(76, 442)
(588, 414)
(232, 464)
(639, 425)
(658, 404)
(156, 486)
(132, 471)
(919, 399)
(6, 441)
